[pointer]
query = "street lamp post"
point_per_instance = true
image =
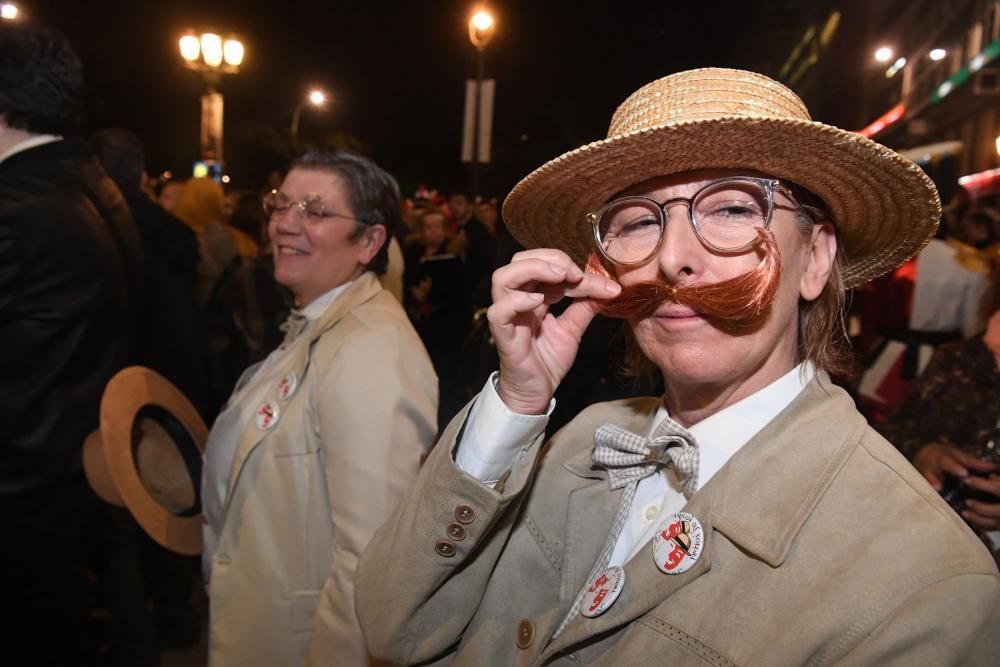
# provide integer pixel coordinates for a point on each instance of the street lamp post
(481, 28)
(317, 98)
(213, 57)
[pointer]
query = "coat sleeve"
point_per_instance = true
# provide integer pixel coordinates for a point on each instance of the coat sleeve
(952, 622)
(418, 585)
(376, 413)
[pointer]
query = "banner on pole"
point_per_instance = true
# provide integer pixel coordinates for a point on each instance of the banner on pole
(211, 126)
(485, 125)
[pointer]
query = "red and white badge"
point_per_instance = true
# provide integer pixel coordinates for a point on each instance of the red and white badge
(287, 386)
(267, 415)
(602, 592)
(678, 543)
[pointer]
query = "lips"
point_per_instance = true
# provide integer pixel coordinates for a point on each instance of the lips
(675, 311)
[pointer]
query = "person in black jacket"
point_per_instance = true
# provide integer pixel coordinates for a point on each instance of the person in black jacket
(70, 297)
(171, 345)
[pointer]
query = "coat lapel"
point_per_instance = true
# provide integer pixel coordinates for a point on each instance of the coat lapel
(364, 288)
(759, 500)
(645, 585)
(591, 510)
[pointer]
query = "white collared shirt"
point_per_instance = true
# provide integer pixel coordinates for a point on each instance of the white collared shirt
(238, 413)
(495, 439)
(31, 142)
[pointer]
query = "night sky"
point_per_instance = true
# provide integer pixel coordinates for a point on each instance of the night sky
(396, 71)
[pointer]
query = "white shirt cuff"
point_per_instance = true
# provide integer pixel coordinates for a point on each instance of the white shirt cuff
(495, 438)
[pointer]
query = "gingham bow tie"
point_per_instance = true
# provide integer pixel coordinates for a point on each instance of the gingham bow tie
(293, 326)
(627, 456)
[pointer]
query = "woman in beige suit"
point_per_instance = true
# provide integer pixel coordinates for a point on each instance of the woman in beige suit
(749, 516)
(320, 441)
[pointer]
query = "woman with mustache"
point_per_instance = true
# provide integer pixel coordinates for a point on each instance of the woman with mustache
(747, 516)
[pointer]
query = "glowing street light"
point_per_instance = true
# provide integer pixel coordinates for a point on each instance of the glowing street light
(232, 51)
(481, 28)
(317, 98)
(883, 54)
(937, 54)
(8, 11)
(211, 49)
(190, 48)
(209, 54)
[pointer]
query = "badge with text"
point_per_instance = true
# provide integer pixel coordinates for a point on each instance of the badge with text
(603, 592)
(287, 386)
(678, 543)
(267, 415)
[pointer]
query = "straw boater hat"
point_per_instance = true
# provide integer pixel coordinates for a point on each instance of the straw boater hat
(884, 207)
(147, 457)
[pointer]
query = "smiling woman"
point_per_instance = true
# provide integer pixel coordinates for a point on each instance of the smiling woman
(318, 241)
(343, 410)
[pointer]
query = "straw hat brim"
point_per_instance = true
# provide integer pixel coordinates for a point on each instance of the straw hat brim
(109, 457)
(884, 207)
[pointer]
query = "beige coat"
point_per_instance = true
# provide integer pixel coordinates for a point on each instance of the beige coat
(307, 495)
(824, 546)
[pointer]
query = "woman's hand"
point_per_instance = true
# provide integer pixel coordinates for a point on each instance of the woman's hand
(536, 348)
(936, 460)
(984, 516)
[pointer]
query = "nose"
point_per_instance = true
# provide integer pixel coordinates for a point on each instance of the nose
(681, 255)
(287, 221)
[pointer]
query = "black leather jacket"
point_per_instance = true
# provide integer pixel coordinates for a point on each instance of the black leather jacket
(70, 298)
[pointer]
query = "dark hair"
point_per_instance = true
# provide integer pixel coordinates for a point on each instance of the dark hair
(121, 155)
(374, 194)
(41, 79)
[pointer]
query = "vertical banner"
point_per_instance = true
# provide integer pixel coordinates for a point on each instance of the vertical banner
(468, 120)
(211, 126)
(486, 94)
(485, 125)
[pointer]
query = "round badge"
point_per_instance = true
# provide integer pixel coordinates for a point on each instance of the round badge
(267, 415)
(678, 543)
(287, 386)
(602, 592)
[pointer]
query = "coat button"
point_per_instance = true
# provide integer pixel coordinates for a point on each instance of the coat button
(465, 514)
(456, 532)
(445, 548)
(525, 634)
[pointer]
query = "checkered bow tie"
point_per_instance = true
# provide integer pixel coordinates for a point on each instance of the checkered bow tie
(627, 456)
(293, 327)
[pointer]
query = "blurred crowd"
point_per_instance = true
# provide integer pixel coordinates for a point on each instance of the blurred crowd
(207, 307)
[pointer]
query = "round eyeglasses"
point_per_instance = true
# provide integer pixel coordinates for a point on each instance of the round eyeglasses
(312, 206)
(724, 214)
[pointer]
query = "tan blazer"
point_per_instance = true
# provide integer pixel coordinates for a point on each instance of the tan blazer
(824, 546)
(307, 495)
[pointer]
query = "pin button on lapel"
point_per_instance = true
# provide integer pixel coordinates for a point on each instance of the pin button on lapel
(267, 415)
(287, 385)
(678, 543)
(603, 592)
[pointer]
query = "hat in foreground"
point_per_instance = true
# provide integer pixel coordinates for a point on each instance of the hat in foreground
(147, 457)
(884, 207)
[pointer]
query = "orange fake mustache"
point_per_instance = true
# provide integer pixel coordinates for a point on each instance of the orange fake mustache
(738, 301)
